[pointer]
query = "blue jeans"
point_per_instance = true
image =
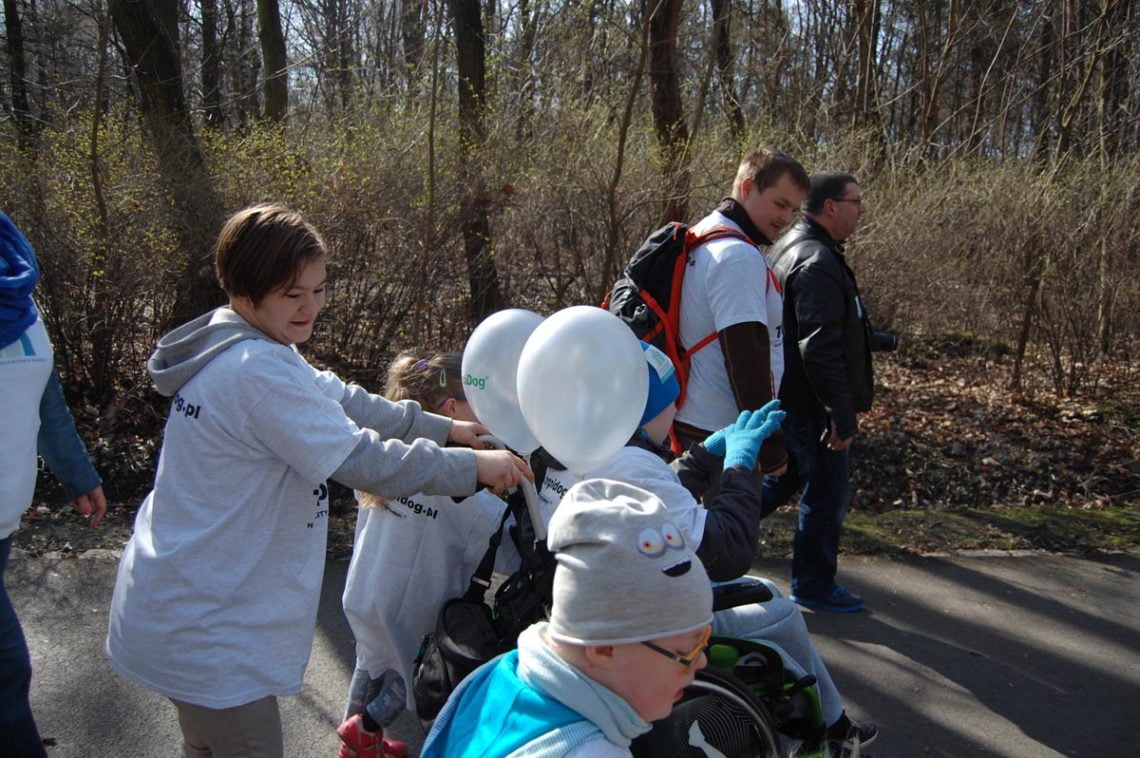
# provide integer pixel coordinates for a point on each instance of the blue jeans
(18, 733)
(825, 477)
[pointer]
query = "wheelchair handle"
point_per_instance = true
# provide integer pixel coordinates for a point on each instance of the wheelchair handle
(530, 493)
(744, 593)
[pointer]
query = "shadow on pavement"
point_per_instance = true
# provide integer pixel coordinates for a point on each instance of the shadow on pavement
(953, 660)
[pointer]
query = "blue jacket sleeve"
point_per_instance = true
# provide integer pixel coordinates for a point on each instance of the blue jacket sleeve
(59, 444)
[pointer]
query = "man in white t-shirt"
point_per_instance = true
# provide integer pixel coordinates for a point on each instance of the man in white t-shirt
(729, 290)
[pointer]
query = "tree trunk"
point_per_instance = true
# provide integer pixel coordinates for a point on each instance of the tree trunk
(1036, 262)
(933, 81)
(346, 55)
(470, 51)
(722, 42)
(248, 62)
(1041, 115)
(867, 28)
(613, 227)
(276, 65)
(103, 348)
(665, 96)
(150, 41)
(211, 66)
(18, 71)
(412, 19)
(523, 78)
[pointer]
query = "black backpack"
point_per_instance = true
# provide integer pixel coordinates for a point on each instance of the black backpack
(647, 296)
(468, 631)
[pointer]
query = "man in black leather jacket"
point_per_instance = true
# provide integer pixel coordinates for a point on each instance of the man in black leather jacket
(828, 341)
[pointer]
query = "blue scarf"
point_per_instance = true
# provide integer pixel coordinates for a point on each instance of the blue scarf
(18, 276)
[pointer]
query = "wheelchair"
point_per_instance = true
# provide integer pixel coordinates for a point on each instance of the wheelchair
(744, 704)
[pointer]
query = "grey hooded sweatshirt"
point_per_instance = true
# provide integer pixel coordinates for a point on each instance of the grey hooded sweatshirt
(382, 462)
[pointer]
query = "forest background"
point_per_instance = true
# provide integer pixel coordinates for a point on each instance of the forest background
(461, 156)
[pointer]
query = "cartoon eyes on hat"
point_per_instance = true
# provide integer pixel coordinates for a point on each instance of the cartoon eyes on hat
(652, 542)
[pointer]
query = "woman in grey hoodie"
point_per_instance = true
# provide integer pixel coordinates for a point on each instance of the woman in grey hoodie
(216, 599)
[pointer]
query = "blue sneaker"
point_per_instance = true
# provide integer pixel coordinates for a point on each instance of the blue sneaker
(839, 600)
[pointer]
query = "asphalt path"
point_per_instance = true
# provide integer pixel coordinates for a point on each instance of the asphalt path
(1028, 655)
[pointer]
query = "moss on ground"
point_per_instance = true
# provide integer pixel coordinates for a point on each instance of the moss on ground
(916, 532)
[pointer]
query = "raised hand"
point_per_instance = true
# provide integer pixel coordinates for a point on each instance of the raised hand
(743, 439)
(714, 443)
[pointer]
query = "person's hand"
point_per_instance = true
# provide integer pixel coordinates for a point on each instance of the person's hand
(467, 433)
(836, 443)
(714, 443)
(500, 469)
(743, 439)
(92, 505)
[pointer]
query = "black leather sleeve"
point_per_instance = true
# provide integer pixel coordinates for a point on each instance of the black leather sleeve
(820, 308)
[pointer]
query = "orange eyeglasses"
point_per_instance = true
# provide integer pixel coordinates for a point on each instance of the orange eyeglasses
(689, 659)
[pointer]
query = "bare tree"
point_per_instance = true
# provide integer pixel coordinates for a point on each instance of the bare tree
(149, 33)
(722, 42)
(276, 84)
(18, 71)
(486, 297)
(663, 17)
(211, 66)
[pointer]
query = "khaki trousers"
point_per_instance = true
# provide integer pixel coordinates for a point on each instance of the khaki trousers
(252, 730)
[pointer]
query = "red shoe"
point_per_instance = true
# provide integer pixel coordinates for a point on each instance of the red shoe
(361, 743)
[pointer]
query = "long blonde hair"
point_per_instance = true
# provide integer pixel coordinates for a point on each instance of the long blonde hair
(429, 381)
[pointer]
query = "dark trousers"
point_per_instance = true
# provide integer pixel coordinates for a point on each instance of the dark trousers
(18, 733)
(825, 477)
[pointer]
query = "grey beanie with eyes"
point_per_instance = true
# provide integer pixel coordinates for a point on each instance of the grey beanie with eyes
(626, 572)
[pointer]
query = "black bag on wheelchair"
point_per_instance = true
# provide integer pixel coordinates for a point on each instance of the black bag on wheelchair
(465, 638)
(468, 632)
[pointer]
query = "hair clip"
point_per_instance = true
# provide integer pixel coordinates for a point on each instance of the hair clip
(442, 377)
(421, 365)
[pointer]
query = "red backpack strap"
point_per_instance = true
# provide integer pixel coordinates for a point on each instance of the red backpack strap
(693, 241)
(774, 282)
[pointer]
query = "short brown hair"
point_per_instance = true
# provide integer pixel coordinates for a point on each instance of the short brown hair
(263, 248)
(765, 167)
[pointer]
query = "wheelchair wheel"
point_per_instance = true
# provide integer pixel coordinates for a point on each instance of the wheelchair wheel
(716, 711)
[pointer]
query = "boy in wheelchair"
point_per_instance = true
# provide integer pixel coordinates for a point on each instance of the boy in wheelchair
(725, 535)
(630, 617)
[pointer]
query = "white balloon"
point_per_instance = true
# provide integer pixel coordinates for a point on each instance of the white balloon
(582, 385)
(490, 372)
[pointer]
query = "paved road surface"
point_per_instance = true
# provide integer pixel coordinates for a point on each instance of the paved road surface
(1022, 656)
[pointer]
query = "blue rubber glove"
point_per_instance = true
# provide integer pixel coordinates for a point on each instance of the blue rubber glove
(714, 443)
(743, 439)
